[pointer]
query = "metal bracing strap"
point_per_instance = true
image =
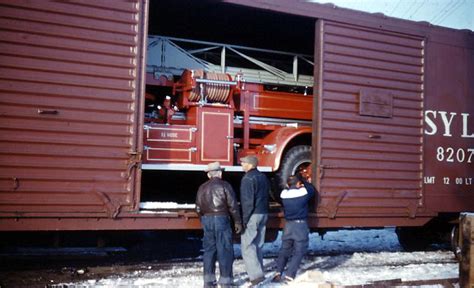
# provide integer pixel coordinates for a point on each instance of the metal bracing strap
(295, 68)
(306, 60)
(195, 51)
(223, 60)
(275, 71)
(202, 62)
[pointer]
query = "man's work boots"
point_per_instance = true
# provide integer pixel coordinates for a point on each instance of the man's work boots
(256, 282)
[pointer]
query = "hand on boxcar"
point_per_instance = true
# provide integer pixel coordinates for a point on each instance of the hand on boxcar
(238, 228)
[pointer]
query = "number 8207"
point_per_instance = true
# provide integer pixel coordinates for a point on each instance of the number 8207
(452, 155)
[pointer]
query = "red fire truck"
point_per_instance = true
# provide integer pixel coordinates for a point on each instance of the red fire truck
(221, 112)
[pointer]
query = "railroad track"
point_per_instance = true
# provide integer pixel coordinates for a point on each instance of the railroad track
(446, 282)
(351, 267)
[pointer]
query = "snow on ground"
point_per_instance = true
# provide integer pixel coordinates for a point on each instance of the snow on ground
(346, 257)
(166, 205)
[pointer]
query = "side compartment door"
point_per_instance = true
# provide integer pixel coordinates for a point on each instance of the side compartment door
(215, 135)
(368, 125)
(70, 82)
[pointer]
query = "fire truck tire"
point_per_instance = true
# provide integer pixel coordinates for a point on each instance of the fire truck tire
(296, 157)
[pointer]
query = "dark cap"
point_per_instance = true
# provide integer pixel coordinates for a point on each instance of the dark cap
(251, 159)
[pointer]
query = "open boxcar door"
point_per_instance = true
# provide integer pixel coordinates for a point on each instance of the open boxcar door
(368, 126)
(70, 86)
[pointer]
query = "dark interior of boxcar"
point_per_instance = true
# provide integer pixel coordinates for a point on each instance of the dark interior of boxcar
(231, 24)
(228, 24)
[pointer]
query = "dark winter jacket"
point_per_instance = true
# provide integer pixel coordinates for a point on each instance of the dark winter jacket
(295, 202)
(254, 191)
(216, 197)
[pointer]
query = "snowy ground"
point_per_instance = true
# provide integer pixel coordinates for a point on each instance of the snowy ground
(349, 257)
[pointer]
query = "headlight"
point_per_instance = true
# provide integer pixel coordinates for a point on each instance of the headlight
(271, 148)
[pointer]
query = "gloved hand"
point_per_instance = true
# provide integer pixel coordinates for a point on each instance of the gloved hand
(238, 228)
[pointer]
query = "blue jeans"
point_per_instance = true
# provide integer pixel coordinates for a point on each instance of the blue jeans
(293, 247)
(252, 241)
(217, 245)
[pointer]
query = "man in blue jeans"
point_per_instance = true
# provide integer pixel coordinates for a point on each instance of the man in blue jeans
(216, 204)
(295, 234)
(254, 191)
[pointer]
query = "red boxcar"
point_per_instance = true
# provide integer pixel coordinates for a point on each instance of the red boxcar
(392, 114)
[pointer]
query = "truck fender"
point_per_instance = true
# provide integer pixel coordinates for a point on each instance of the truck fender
(273, 145)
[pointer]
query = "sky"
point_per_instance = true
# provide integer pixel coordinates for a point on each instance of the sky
(458, 14)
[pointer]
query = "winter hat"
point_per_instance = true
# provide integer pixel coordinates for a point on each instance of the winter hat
(214, 166)
(251, 159)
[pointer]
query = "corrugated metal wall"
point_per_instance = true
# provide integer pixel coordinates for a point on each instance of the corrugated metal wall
(69, 78)
(370, 120)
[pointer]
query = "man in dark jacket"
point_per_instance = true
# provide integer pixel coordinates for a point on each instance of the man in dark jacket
(295, 234)
(216, 203)
(254, 191)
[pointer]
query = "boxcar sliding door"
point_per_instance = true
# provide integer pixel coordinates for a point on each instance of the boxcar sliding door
(369, 122)
(70, 79)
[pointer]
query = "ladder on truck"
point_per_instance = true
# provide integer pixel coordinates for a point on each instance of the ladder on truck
(171, 56)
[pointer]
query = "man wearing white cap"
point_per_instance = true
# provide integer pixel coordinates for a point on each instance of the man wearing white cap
(216, 203)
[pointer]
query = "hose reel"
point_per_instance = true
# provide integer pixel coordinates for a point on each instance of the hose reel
(199, 86)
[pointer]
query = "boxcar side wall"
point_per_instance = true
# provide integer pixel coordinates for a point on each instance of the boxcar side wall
(393, 129)
(70, 82)
(449, 126)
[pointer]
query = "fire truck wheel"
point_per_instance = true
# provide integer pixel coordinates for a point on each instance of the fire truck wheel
(295, 158)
